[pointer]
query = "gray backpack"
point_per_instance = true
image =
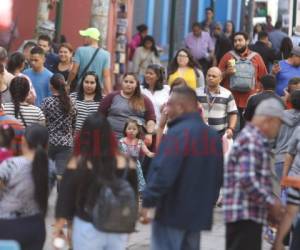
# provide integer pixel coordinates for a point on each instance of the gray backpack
(244, 78)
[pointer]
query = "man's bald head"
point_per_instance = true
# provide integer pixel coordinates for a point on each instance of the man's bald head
(213, 77)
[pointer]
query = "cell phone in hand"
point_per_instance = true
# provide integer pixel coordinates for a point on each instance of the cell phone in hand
(276, 62)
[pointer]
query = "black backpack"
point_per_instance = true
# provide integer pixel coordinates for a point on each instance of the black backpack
(116, 207)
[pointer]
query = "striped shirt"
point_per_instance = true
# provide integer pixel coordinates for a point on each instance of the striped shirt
(217, 107)
(84, 108)
(30, 113)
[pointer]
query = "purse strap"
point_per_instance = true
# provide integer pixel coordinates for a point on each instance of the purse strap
(89, 64)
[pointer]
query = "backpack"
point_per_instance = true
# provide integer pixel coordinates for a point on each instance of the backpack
(116, 207)
(244, 78)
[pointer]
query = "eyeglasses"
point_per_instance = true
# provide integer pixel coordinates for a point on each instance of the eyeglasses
(182, 56)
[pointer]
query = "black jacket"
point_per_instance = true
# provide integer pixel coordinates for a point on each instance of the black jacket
(268, 54)
(186, 175)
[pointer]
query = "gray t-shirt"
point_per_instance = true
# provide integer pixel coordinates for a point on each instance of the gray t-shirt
(102, 60)
(119, 112)
(294, 149)
(17, 196)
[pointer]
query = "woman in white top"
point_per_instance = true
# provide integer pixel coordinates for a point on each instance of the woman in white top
(154, 88)
(145, 55)
(26, 114)
(15, 66)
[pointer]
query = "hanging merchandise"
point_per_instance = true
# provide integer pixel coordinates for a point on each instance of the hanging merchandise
(121, 37)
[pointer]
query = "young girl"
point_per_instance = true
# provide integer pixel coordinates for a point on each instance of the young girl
(132, 145)
(7, 135)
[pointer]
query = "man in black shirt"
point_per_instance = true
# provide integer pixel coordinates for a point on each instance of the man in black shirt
(269, 84)
(223, 43)
(262, 47)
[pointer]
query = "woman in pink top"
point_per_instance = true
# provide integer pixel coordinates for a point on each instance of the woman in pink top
(136, 40)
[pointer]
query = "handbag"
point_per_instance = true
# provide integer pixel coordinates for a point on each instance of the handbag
(74, 83)
(116, 208)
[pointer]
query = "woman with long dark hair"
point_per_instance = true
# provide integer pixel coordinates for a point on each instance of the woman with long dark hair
(184, 66)
(87, 98)
(96, 160)
(286, 47)
(60, 113)
(24, 112)
(24, 191)
(145, 55)
(229, 30)
(129, 102)
(15, 66)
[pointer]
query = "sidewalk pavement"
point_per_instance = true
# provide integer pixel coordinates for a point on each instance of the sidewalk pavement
(213, 240)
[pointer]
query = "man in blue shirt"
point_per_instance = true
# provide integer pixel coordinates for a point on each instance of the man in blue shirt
(276, 36)
(39, 75)
(287, 69)
(184, 178)
(84, 54)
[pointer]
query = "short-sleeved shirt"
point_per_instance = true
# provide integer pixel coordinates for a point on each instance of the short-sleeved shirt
(286, 72)
(101, 62)
(241, 98)
(118, 110)
(41, 83)
(17, 199)
(61, 126)
(158, 98)
(31, 114)
(222, 104)
(189, 75)
(84, 108)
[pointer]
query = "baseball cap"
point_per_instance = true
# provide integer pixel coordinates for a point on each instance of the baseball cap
(296, 51)
(93, 33)
(273, 108)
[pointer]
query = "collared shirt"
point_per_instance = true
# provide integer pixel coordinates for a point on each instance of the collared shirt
(217, 107)
(260, 70)
(200, 47)
(248, 177)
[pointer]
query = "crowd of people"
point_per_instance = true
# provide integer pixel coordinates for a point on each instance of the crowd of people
(155, 150)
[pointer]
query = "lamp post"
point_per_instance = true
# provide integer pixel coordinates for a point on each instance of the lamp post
(172, 29)
(58, 18)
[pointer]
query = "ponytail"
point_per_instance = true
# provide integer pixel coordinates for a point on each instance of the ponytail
(58, 83)
(40, 178)
(37, 139)
(64, 99)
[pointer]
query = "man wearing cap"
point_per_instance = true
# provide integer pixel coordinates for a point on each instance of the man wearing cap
(287, 69)
(248, 200)
(84, 56)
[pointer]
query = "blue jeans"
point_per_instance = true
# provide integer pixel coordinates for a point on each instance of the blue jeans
(87, 237)
(60, 155)
(169, 238)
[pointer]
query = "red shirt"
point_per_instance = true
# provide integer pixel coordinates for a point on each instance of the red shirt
(260, 70)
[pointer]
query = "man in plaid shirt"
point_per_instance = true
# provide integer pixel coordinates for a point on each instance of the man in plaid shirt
(248, 197)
